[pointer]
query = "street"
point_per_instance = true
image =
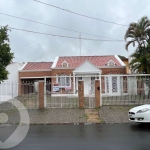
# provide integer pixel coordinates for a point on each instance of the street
(129, 136)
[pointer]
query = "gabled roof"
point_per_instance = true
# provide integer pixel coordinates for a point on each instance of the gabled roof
(87, 67)
(98, 61)
(38, 66)
(15, 63)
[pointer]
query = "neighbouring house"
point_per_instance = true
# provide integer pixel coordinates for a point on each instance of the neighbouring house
(64, 73)
(126, 62)
(13, 71)
(9, 87)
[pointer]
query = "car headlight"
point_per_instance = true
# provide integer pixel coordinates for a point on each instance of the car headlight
(143, 110)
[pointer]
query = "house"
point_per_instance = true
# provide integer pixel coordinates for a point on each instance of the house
(13, 71)
(126, 62)
(9, 87)
(69, 70)
(31, 73)
(64, 73)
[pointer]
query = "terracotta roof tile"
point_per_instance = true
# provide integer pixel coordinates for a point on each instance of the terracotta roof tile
(75, 61)
(38, 66)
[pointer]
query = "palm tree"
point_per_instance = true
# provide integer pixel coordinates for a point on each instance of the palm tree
(138, 33)
(140, 60)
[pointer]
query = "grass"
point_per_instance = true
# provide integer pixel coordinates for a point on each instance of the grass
(97, 109)
(101, 120)
(86, 116)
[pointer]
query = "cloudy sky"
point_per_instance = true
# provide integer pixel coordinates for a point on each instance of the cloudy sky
(35, 47)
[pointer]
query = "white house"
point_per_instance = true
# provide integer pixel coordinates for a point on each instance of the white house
(9, 87)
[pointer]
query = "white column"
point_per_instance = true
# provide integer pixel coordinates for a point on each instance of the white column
(100, 89)
(74, 83)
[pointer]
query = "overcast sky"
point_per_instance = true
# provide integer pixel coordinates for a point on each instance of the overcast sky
(29, 47)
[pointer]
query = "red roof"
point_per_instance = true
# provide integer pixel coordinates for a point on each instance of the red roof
(75, 61)
(38, 66)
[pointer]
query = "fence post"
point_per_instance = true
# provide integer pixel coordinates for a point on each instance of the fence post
(81, 93)
(41, 94)
(97, 93)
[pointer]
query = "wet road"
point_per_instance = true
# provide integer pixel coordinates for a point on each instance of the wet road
(85, 137)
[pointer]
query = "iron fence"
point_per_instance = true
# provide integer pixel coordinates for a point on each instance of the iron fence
(63, 92)
(60, 97)
(14, 92)
(125, 90)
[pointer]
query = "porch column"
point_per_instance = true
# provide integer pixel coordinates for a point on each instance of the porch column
(44, 91)
(81, 93)
(100, 78)
(74, 85)
(41, 95)
(97, 93)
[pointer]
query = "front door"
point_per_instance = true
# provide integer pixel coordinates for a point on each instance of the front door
(86, 85)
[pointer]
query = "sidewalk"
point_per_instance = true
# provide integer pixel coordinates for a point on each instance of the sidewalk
(106, 114)
(114, 114)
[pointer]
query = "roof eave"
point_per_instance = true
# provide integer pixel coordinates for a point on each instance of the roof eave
(33, 70)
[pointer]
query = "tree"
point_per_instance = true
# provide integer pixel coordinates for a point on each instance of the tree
(5, 55)
(138, 33)
(140, 60)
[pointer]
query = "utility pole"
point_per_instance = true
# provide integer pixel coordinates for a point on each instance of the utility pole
(80, 42)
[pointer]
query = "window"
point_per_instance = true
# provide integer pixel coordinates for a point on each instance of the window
(79, 78)
(65, 64)
(92, 78)
(63, 80)
(114, 85)
(107, 85)
(111, 63)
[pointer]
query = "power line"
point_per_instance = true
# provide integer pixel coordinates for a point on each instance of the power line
(55, 26)
(67, 10)
(62, 36)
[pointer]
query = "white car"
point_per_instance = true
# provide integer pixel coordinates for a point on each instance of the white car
(140, 114)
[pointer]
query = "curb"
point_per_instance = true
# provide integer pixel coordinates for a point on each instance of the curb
(87, 123)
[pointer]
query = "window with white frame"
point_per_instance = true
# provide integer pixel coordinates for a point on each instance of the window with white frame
(111, 63)
(63, 80)
(65, 64)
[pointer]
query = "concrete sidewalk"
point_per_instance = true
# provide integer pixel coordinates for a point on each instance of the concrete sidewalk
(106, 114)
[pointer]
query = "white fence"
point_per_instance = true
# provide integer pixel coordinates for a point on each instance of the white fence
(63, 92)
(8, 90)
(125, 89)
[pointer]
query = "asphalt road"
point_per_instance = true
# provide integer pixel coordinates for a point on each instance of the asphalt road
(129, 136)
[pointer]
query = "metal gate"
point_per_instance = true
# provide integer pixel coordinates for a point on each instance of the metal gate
(89, 101)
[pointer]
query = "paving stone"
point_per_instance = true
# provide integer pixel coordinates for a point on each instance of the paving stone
(106, 114)
(114, 114)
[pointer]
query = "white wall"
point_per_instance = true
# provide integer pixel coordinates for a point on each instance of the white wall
(13, 71)
(9, 87)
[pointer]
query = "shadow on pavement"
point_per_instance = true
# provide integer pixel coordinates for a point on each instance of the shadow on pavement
(140, 127)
